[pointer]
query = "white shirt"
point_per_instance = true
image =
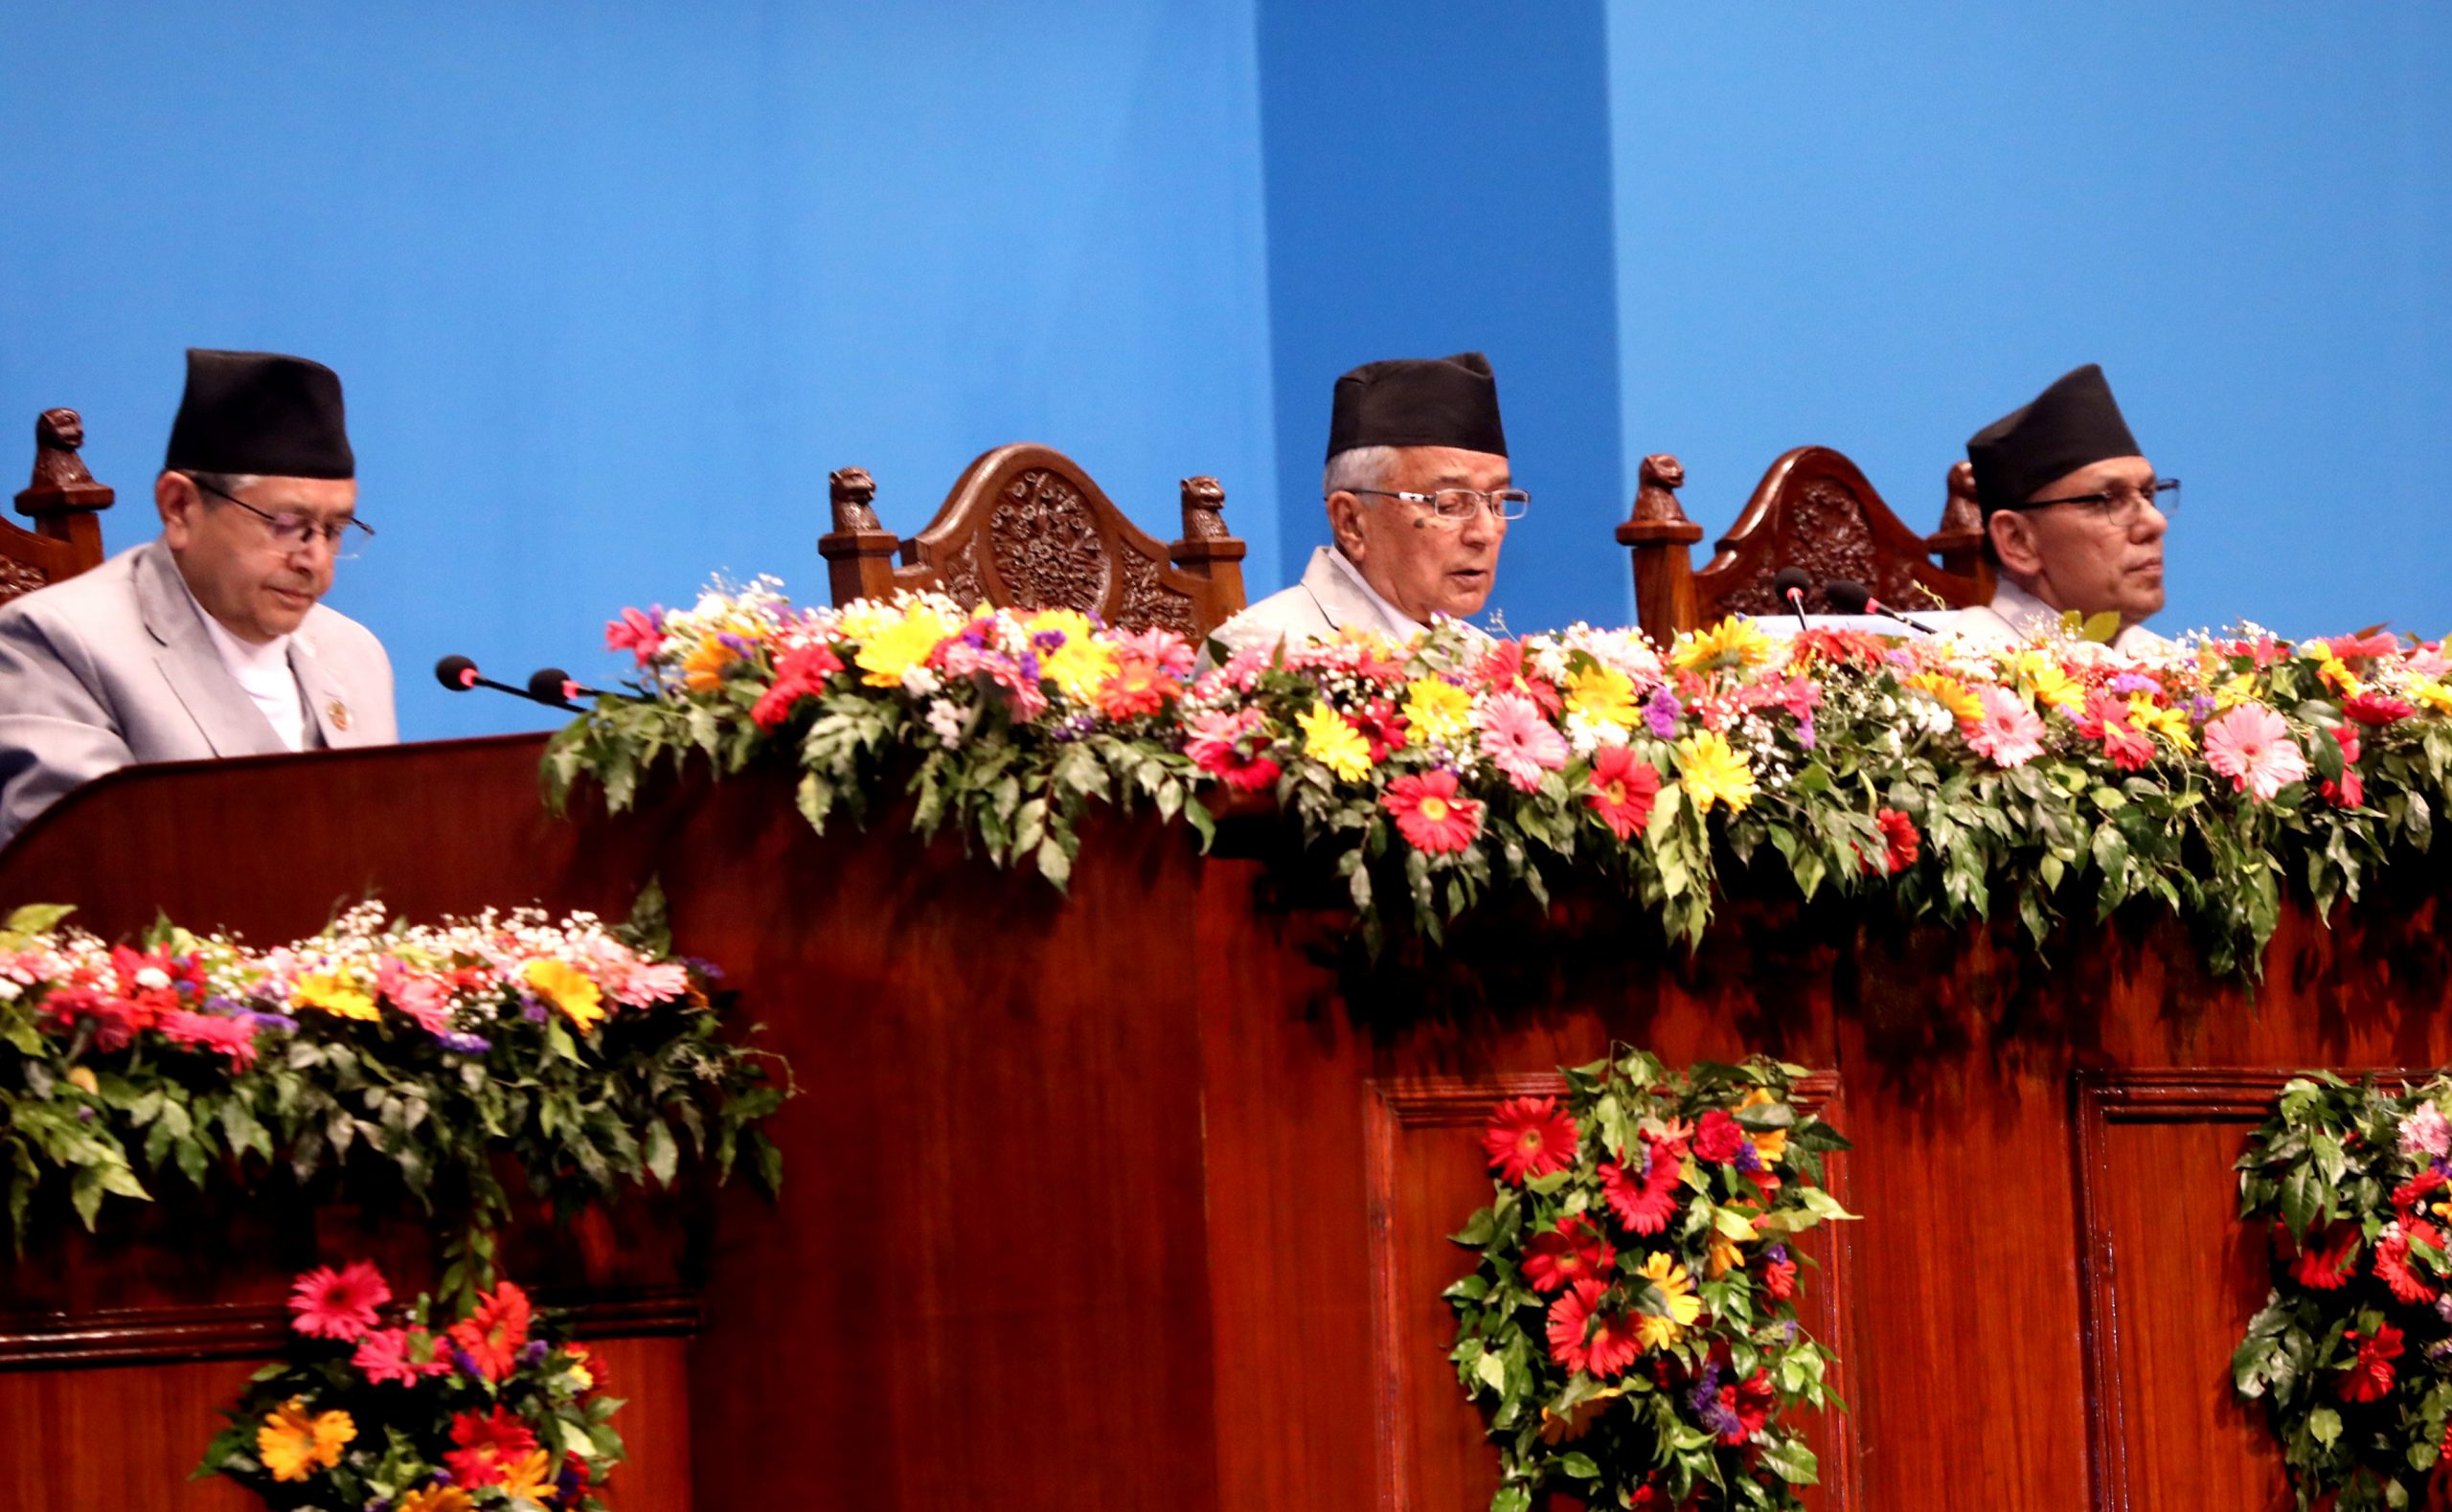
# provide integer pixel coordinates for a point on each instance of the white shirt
(1406, 625)
(263, 672)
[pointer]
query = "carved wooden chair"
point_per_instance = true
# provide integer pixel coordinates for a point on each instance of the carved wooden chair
(1025, 528)
(1812, 510)
(61, 500)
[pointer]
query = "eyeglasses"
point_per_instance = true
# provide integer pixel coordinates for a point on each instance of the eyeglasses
(2123, 505)
(1456, 505)
(295, 532)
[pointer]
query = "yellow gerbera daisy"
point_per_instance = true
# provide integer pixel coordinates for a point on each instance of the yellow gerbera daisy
(899, 645)
(1772, 1144)
(332, 993)
(1081, 662)
(2334, 671)
(530, 1477)
(1335, 744)
(1603, 695)
(2171, 724)
(702, 670)
(1437, 711)
(2432, 693)
(2043, 677)
(1734, 645)
(2238, 689)
(1951, 694)
(1712, 772)
(294, 1446)
(1723, 1258)
(566, 987)
(1659, 1330)
(436, 1499)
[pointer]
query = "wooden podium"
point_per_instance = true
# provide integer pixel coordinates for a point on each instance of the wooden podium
(1136, 1198)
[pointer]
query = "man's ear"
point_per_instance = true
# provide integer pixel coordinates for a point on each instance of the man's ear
(176, 499)
(1345, 525)
(2015, 542)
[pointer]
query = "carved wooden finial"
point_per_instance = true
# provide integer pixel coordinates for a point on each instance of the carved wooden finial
(1657, 482)
(61, 482)
(853, 491)
(1204, 509)
(1962, 511)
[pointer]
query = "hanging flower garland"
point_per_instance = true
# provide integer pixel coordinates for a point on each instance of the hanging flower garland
(1631, 1331)
(1954, 780)
(417, 1052)
(420, 1409)
(2353, 1351)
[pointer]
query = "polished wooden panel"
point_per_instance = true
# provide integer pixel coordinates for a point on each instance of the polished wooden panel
(1096, 1201)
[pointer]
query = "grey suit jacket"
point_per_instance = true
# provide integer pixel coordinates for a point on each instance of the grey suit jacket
(113, 666)
(1323, 602)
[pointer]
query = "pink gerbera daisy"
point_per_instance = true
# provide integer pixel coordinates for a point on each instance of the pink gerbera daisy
(1429, 814)
(2010, 734)
(1519, 742)
(2251, 746)
(338, 1304)
(389, 1355)
(235, 1038)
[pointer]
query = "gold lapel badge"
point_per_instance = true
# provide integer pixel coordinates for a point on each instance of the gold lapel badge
(338, 713)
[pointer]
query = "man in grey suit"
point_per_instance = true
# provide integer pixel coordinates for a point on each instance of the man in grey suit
(209, 640)
(1418, 498)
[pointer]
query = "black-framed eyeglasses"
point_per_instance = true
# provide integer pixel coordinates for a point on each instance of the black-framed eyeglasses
(2122, 504)
(295, 532)
(1456, 505)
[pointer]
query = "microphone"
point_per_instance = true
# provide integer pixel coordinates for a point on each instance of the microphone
(551, 684)
(1850, 596)
(459, 675)
(1790, 585)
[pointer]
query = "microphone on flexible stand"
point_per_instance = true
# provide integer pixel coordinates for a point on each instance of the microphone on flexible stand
(1850, 596)
(459, 675)
(551, 684)
(1790, 585)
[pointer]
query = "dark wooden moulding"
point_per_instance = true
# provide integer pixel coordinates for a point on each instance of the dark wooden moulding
(1136, 1197)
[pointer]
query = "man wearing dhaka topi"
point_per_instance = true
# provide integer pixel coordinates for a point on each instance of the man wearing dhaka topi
(2074, 517)
(1418, 499)
(209, 640)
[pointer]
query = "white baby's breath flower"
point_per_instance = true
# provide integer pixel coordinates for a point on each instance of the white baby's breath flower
(9, 990)
(945, 719)
(153, 977)
(920, 682)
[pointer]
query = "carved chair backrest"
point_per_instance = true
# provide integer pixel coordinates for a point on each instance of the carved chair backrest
(61, 500)
(1026, 528)
(1815, 510)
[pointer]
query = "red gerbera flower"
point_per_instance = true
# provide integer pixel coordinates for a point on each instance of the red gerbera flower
(1529, 1137)
(338, 1304)
(1582, 1338)
(1429, 814)
(2392, 1262)
(1779, 1279)
(800, 674)
(2405, 1196)
(489, 1447)
(1645, 1205)
(1215, 743)
(494, 1333)
(1749, 1401)
(2107, 721)
(1139, 685)
(1574, 1251)
(2371, 1375)
(1382, 724)
(2348, 790)
(2377, 709)
(2325, 1259)
(1718, 1138)
(1624, 786)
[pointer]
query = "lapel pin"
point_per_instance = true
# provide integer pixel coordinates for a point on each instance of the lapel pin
(338, 713)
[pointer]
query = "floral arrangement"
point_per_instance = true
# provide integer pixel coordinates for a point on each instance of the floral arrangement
(2352, 1350)
(420, 1409)
(1957, 779)
(1631, 1331)
(414, 1051)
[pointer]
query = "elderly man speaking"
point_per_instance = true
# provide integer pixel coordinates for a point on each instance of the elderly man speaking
(1418, 501)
